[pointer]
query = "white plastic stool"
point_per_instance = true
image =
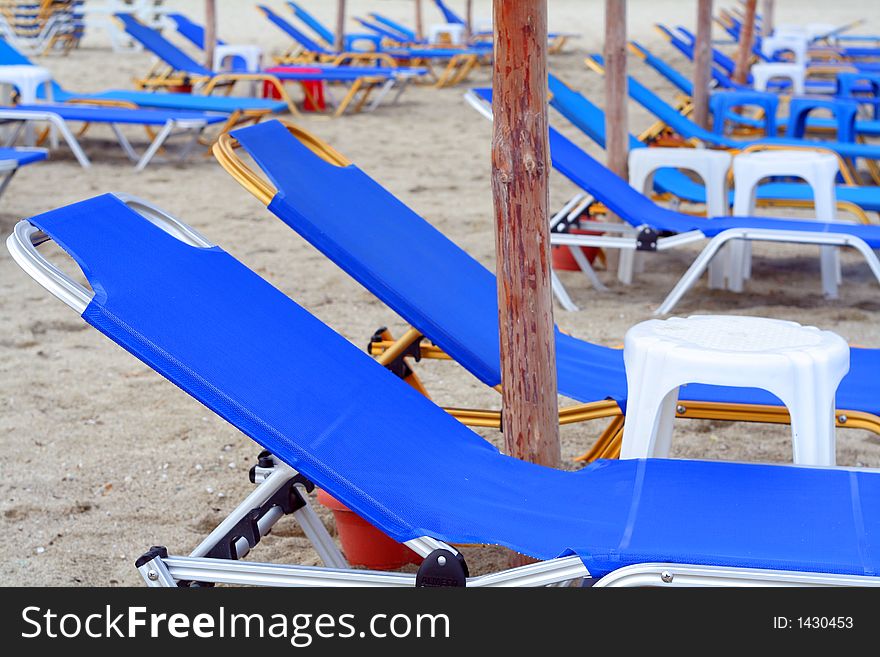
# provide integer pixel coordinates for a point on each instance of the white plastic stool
(801, 365)
(252, 56)
(796, 44)
(454, 31)
(819, 170)
(712, 166)
(27, 79)
(764, 72)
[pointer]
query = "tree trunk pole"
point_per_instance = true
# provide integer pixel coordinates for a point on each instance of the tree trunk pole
(469, 18)
(420, 27)
(520, 168)
(746, 38)
(340, 26)
(210, 33)
(767, 9)
(703, 63)
(616, 132)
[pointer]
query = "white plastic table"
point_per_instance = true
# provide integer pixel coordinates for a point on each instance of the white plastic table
(711, 165)
(764, 72)
(27, 79)
(454, 31)
(817, 169)
(801, 365)
(252, 56)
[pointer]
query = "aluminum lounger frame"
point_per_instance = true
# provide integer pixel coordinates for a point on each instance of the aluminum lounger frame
(171, 128)
(261, 510)
(390, 352)
(633, 239)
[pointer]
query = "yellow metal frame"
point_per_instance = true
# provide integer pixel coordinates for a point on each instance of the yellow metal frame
(387, 349)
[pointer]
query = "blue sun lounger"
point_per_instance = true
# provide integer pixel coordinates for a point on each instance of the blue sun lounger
(327, 36)
(867, 127)
(234, 106)
(180, 68)
(440, 290)
(170, 124)
(408, 34)
(171, 299)
(459, 61)
(590, 120)
(650, 222)
(690, 130)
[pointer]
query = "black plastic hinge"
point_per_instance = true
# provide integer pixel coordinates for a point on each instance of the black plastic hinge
(398, 366)
(287, 498)
(155, 552)
(646, 240)
(442, 568)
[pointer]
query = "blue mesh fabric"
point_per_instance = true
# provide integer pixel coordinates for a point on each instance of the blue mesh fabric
(295, 34)
(22, 156)
(450, 297)
(228, 338)
(161, 47)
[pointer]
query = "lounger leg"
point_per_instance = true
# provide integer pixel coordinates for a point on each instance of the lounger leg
(6, 180)
(692, 275)
(276, 477)
(380, 95)
(587, 268)
(561, 293)
(124, 143)
(626, 266)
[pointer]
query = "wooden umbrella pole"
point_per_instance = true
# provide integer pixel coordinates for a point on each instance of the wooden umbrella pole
(616, 132)
(703, 62)
(746, 38)
(340, 26)
(767, 18)
(520, 168)
(469, 18)
(420, 28)
(210, 33)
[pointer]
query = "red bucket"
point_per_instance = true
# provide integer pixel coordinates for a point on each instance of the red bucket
(364, 545)
(563, 260)
(314, 89)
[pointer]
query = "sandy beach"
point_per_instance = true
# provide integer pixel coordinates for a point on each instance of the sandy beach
(100, 457)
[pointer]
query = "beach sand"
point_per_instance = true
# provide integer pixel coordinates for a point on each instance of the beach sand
(100, 457)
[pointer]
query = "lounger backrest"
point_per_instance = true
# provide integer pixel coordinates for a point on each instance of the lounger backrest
(448, 15)
(194, 32)
(314, 24)
(308, 44)
(405, 31)
(664, 69)
(410, 265)
(161, 47)
(381, 30)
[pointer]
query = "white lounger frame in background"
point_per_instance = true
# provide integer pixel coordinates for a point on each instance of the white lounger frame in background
(173, 127)
(160, 570)
(8, 169)
(632, 239)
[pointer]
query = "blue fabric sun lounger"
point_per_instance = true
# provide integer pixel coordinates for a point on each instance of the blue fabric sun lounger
(327, 35)
(170, 124)
(690, 130)
(442, 291)
(175, 302)
(647, 218)
(865, 127)
(181, 64)
(403, 30)
(590, 120)
(9, 56)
